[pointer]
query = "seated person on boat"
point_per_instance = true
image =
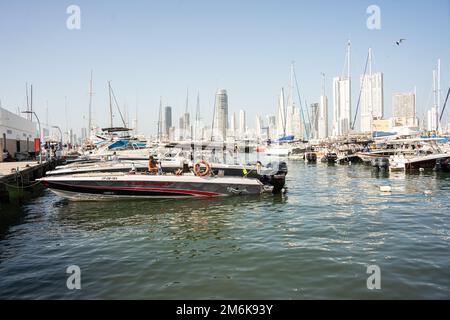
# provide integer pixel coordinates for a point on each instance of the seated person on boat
(152, 165)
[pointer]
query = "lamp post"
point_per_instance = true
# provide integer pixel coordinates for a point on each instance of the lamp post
(40, 138)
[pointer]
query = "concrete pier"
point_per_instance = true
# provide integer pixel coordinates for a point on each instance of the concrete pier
(20, 176)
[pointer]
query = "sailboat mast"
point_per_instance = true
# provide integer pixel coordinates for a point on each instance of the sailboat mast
(283, 107)
(90, 107)
(370, 91)
(46, 112)
(434, 89)
(291, 86)
(438, 92)
(136, 119)
(31, 106)
(67, 119)
(349, 83)
(197, 115)
(160, 119)
(110, 106)
(187, 100)
(28, 104)
(323, 84)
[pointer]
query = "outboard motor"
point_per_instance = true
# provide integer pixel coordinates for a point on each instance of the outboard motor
(278, 178)
(311, 157)
(380, 163)
(443, 164)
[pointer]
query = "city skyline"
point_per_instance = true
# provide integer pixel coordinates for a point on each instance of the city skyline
(160, 49)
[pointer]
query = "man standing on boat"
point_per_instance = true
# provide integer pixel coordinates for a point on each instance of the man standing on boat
(114, 157)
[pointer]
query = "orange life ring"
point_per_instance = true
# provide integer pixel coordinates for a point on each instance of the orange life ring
(197, 168)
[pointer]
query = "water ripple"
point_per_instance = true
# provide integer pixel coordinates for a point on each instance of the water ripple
(314, 242)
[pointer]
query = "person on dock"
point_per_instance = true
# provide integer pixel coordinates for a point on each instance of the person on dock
(7, 156)
(152, 165)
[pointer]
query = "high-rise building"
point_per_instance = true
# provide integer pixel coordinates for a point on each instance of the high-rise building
(433, 112)
(314, 118)
(272, 126)
(281, 115)
(221, 115)
(323, 118)
(259, 126)
(187, 125)
(404, 105)
(372, 104)
(181, 128)
(342, 100)
(83, 134)
(242, 123)
(298, 129)
(167, 120)
(341, 106)
(233, 125)
(432, 119)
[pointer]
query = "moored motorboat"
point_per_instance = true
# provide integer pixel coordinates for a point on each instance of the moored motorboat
(311, 157)
(124, 185)
(380, 163)
(272, 174)
(329, 157)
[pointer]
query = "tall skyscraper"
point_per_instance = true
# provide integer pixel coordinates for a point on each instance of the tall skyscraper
(167, 120)
(404, 105)
(83, 134)
(259, 126)
(298, 129)
(342, 100)
(233, 125)
(187, 125)
(314, 121)
(221, 115)
(341, 105)
(187, 119)
(242, 123)
(292, 126)
(272, 126)
(372, 104)
(323, 118)
(433, 112)
(181, 130)
(281, 115)
(432, 119)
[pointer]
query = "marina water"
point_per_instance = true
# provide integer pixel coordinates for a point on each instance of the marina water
(315, 241)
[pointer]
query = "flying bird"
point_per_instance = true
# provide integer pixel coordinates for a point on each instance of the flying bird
(399, 41)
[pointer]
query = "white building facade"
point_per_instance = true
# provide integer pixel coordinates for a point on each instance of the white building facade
(17, 134)
(372, 103)
(323, 118)
(341, 106)
(221, 116)
(404, 109)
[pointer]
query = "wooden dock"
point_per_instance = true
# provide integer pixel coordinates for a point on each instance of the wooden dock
(16, 177)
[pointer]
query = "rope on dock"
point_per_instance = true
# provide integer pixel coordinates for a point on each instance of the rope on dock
(20, 187)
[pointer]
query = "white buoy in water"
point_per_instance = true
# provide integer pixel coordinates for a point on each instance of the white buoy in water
(427, 192)
(385, 188)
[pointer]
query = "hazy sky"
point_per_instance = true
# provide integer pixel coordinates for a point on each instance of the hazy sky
(160, 48)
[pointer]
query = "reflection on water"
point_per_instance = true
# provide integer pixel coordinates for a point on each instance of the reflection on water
(316, 241)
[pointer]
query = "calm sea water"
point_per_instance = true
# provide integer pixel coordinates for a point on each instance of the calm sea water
(314, 242)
